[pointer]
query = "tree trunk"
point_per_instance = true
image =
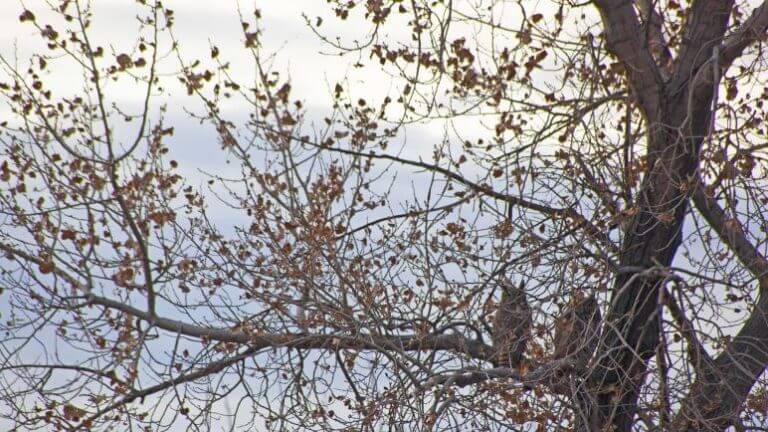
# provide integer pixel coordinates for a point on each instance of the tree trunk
(631, 332)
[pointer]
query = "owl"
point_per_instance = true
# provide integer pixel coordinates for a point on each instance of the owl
(511, 326)
(577, 330)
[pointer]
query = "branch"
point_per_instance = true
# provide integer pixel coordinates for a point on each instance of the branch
(653, 21)
(703, 81)
(545, 373)
(553, 212)
(79, 369)
(475, 348)
(448, 342)
(730, 233)
(705, 28)
(698, 354)
(623, 36)
(11, 253)
(718, 394)
(209, 369)
(752, 30)
(407, 214)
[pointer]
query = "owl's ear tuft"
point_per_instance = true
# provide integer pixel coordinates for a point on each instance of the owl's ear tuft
(505, 285)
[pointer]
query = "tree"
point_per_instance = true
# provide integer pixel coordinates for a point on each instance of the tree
(610, 148)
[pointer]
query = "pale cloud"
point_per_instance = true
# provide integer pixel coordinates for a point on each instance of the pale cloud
(298, 52)
(293, 49)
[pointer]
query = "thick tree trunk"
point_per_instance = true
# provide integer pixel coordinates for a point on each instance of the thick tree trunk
(677, 110)
(631, 332)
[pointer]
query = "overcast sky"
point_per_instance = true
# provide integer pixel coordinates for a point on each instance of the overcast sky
(311, 65)
(198, 25)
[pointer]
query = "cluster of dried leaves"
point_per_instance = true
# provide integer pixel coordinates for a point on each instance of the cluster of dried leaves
(612, 149)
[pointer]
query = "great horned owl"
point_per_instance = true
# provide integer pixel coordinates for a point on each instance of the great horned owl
(511, 325)
(577, 330)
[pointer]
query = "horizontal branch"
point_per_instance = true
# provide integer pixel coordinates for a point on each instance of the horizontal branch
(64, 367)
(412, 213)
(433, 342)
(545, 373)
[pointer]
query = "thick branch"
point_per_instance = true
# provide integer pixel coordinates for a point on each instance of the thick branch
(623, 35)
(718, 394)
(546, 373)
(709, 69)
(705, 28)
(731, 234)
(450, 342)
(752, 30)
(436, 342)
(653, 23)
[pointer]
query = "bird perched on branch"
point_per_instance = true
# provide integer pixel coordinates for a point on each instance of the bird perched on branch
(577, 330)
(511, 325)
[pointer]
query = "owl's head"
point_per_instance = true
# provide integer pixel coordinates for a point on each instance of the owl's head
(508, 287)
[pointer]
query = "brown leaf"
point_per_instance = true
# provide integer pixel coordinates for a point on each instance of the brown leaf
(124, 61)
(287, 120)
(26, 16)
(46, 267)
(283, 93)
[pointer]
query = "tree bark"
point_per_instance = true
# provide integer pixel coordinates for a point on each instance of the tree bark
(678, 114)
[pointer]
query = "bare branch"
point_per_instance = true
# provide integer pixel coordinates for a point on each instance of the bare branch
(731, 233)
(751, 31)
(653, 23)
(706, 25)
(721, 387)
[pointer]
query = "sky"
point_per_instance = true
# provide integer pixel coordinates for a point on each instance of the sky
(200, 23)
(311, 66)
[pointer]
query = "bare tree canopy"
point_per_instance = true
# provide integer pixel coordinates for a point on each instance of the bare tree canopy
(580, 246)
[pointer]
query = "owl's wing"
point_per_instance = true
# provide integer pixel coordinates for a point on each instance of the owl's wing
(511, 325)
(563, 334)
